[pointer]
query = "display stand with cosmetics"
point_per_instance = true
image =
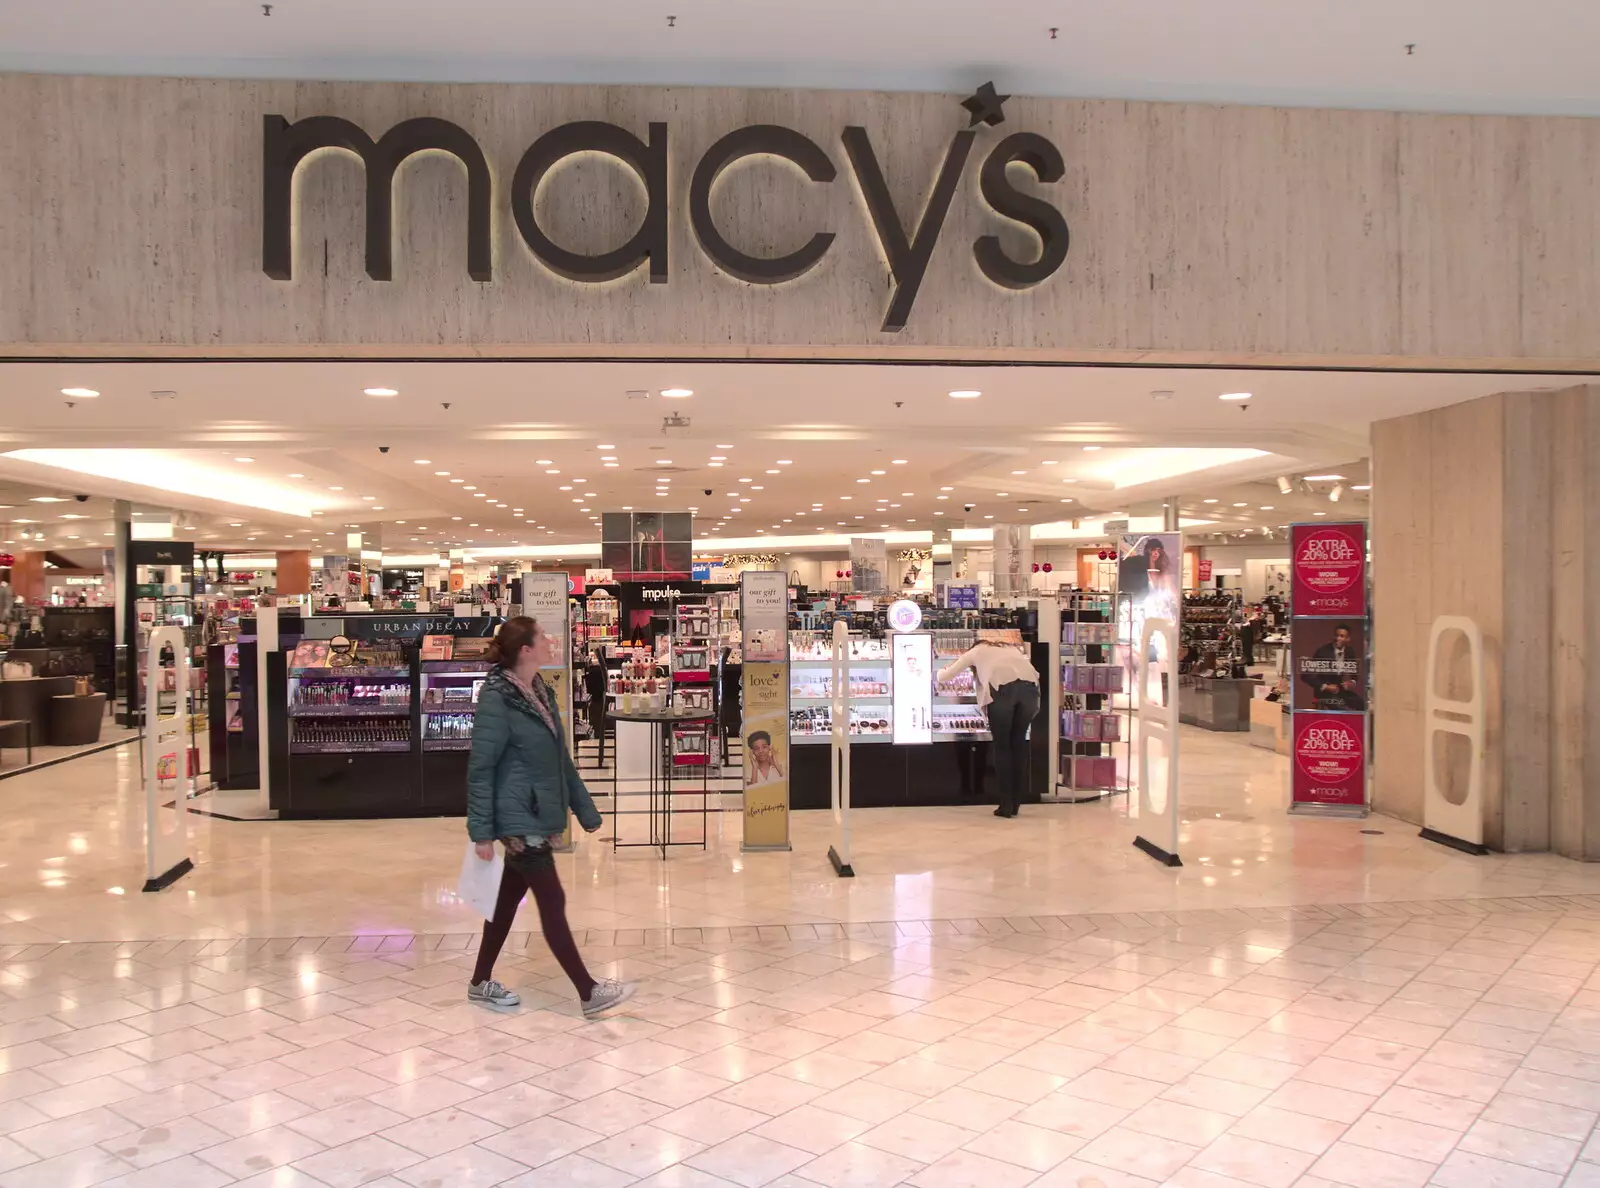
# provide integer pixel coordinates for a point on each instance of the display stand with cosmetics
(1089, 758)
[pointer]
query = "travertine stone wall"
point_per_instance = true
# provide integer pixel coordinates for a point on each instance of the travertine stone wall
(1489, 509)
(130, 222)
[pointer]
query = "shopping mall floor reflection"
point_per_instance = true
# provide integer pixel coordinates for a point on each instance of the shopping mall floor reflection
(996, 1002)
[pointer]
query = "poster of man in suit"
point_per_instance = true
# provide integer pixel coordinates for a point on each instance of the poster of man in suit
(1330, 664)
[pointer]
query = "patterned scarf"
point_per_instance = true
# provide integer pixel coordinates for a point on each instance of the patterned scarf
(538, 695)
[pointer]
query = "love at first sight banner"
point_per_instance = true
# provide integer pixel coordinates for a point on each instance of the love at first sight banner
(1328, 568)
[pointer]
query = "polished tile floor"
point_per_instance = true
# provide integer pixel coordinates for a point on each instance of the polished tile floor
(1453, 1043)
(71, 863)
(1306, 1002)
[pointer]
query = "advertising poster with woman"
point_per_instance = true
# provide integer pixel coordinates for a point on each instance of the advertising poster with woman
(1149, 587)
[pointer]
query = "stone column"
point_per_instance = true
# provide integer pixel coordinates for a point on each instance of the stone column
(1487, 509)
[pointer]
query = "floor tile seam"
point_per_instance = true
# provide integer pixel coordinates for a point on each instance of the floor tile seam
(974, 926)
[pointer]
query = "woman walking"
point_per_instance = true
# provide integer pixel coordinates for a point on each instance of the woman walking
(521, 782)
(1008, 691)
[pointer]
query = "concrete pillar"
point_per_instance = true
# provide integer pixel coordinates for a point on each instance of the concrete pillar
(1013, 560)
(1487, 509)
(294, 571)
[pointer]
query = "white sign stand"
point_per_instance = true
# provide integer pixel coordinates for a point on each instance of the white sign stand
(1050, 635)
(839, 748)
(166, 765)
(544, 599)
(1459, 826)
(1157, 807)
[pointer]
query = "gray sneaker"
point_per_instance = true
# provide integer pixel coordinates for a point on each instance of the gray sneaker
(493, 993)
(607, 993)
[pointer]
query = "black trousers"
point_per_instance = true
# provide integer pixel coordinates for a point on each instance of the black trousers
(1012, 711)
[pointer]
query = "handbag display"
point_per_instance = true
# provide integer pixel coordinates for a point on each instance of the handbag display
(16, 670)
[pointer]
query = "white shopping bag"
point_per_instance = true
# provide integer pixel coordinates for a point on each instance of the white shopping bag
(479, 884)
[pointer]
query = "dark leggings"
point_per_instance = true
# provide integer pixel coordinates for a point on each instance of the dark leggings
(533, 870)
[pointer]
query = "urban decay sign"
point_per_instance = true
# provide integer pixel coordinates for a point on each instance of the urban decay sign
(907, 246)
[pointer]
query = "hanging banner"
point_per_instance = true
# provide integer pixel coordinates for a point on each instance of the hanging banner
(1330, 759)
(1013, 560)
(764, 617)
(1329, 567)
(869, 564)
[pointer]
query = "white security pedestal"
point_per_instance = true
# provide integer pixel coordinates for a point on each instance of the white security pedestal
(1459, 825)
(1156, 806)
(166, 765)
(839, 750)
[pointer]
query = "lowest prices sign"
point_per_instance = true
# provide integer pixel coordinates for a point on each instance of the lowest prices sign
(1329, 564)
(1330, 759)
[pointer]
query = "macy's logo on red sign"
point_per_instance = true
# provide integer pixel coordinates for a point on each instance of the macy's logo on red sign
(1329, 752)
(1329, 561)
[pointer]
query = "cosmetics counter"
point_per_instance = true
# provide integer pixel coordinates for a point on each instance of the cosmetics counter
(376, 723)
(915, 740)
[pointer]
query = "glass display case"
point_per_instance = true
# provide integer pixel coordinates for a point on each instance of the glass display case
(871, 676)
(956, 713)
(450, 690)
(341, 702)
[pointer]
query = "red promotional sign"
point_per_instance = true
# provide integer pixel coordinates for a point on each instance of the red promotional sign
(1205, 571)
(1330, 570)
(1330, 759)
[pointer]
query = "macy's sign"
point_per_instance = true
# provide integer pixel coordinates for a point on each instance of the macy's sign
(907, 248)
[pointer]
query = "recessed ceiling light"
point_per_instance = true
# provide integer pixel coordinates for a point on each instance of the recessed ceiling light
(1234, 396)
(1049, 462)
(880, 472)
(1090, 449)
(80, 393)
(1208, 501)
(1324, 478)
(244, 459)
(381, 391)
(47, 499)
(369, 498)
(297, 476)
(1362, 487)
(1019, 472)
(863, 480)
(676, 394)
(965, 394)
(1319, 513)
(553, 472)
(774, 472)
(1241, 505)
(1001, 494)
(662, 462)
(1266, 507)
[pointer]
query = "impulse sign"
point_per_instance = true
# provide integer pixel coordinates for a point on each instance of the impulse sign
(907, 245)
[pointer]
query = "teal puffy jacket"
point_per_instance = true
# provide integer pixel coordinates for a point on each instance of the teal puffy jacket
(520, 776)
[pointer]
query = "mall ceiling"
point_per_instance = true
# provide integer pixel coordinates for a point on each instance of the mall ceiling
(530, 454)
(1533, 57)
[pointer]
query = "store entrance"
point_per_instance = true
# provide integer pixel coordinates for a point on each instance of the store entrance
(403, 508)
